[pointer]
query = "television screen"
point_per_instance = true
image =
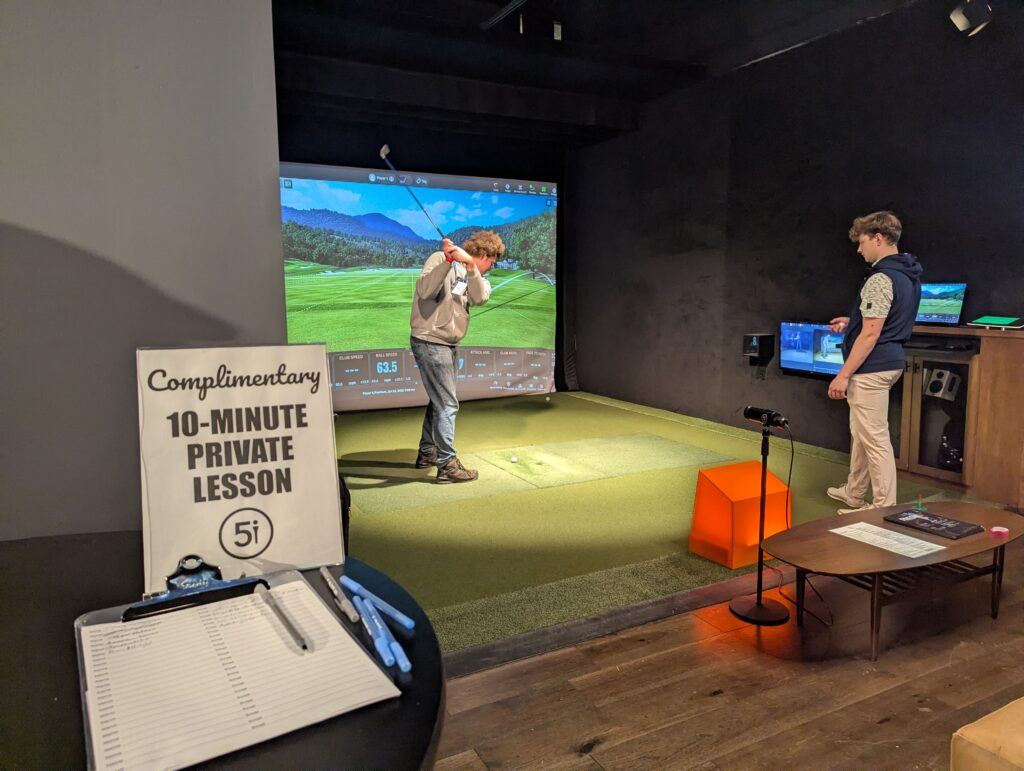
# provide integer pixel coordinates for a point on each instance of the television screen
(811, 348)
(355, 242)
(941, 303)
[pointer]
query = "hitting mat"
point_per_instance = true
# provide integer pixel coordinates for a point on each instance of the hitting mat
(586, 460)
(387, 483)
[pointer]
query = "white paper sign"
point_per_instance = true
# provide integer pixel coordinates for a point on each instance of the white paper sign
(898, 543)
(238, 459)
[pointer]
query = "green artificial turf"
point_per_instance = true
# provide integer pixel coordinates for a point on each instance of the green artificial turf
(358, 309)
(568, 599)
(587, 460)
(594, 515)
(387, 483)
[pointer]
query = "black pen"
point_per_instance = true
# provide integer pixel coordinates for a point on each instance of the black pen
(279, 612)
(344, 603)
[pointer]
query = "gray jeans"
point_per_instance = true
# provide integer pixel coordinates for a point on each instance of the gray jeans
(437, 365)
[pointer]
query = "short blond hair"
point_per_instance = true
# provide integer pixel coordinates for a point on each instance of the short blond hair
(883, 223)
(485, 243)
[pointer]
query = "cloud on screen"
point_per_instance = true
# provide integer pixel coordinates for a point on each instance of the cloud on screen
(463, 214)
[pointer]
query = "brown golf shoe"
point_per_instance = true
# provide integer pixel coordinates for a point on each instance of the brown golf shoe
(454, 471)
(426, 459)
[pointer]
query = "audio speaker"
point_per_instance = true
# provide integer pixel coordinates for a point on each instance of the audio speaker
(942, 384)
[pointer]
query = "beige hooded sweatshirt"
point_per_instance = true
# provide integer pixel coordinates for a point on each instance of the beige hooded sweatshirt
(438, 316)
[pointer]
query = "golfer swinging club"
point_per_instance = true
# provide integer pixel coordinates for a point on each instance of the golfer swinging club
(451, 282)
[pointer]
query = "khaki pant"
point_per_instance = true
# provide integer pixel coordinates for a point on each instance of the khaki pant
(871, 456)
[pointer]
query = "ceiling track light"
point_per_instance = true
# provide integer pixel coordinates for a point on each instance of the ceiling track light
(971, 16)
(501, 14)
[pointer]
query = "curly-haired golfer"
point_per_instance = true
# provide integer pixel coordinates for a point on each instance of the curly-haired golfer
(451, 282)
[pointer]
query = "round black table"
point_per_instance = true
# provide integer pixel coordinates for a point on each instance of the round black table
(46, 583)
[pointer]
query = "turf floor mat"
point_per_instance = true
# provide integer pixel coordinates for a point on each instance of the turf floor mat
(593, 515)
(480, 621)
(387, 481)
(584, 460)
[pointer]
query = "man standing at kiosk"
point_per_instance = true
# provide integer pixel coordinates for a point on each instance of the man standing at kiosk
(451, 282)
(879, 324)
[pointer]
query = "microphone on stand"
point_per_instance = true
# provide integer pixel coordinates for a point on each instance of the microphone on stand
(765, 417)
(759, 610)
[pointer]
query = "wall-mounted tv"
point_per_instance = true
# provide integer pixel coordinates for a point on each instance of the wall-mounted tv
(810, 348)
(354, 244)
(941, 303)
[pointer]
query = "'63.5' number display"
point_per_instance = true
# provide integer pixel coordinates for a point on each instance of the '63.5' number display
(246, 533)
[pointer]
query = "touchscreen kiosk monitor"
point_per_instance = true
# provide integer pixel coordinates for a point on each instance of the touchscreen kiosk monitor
(812, 348)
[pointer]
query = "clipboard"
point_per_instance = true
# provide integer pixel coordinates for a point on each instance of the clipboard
(926, 521)
(361, 679)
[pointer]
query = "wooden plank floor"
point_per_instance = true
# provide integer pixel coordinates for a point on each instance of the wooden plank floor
(704, 690)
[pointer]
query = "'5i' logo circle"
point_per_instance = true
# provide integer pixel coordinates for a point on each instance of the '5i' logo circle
(246, 533)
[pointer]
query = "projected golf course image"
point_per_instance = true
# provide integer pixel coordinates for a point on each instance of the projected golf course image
(350, 278)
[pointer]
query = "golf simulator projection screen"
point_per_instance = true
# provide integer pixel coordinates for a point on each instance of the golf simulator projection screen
(355, 242)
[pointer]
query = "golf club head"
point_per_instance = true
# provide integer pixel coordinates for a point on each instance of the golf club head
(384, 150)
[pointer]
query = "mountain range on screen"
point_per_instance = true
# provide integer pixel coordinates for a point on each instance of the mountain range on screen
(374, 225)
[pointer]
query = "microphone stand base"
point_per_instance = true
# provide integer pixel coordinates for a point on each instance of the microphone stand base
(764, 613)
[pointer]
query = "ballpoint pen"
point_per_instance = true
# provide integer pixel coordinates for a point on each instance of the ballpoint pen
(344, 603)
(401, 659)
(384, 607)
(379, 641)
(262, 591)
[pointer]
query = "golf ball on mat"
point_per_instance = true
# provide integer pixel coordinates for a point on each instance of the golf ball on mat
(547, 398)
(515, 459)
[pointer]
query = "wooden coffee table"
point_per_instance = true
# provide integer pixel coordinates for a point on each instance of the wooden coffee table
(812, 549)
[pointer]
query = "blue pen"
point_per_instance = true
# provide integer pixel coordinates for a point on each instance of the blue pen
(388, 610)
(403, 661)
(376, 635)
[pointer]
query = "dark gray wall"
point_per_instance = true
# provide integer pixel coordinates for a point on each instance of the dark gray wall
(139, 207)
(647, 255)
(728, 210)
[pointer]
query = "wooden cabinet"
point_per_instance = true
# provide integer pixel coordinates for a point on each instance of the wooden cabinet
(936, 407)
(959, 416)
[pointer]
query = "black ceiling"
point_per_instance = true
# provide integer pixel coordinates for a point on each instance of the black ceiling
(438, 64)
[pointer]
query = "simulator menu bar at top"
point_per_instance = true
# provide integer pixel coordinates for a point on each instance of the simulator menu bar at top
(417, 179)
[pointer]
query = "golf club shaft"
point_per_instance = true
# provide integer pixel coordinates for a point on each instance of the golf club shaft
(520, 297)
(417, 200)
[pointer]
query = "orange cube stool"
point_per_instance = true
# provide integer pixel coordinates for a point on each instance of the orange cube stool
(726, 510)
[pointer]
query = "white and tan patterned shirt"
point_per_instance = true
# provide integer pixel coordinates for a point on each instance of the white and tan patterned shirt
(876, 296)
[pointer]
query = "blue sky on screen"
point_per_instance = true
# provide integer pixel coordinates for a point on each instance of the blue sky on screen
(451, 209)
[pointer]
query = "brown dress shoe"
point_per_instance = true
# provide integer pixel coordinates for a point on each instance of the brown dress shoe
(454, 471)
(426, 459)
